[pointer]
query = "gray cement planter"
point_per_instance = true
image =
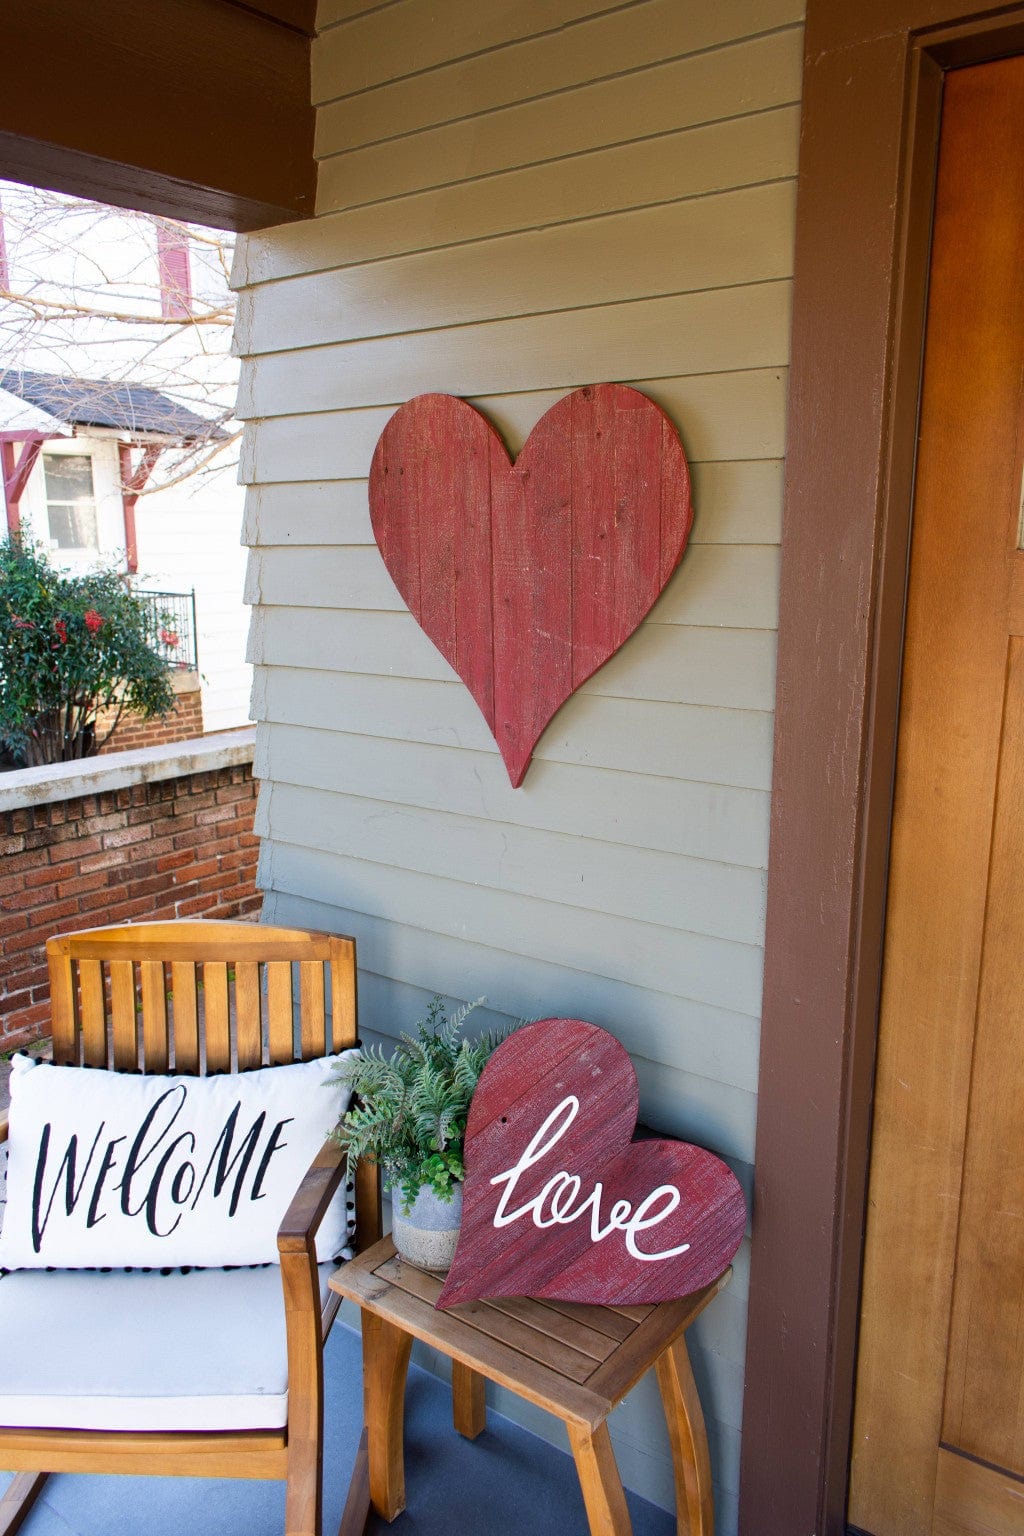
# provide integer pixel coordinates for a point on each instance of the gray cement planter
(427, 1235)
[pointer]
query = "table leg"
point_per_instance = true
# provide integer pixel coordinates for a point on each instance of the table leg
(469, 1405)
(386, 1351)
(600, 1481)
(695, 1510)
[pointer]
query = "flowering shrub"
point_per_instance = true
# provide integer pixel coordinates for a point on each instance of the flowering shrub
(70, 647)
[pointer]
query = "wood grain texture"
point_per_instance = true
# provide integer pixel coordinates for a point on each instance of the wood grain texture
(469, 1407)
(720, 330)
(736, 415)
(735, 502)
(386, 1350)
(596, 47)
(548, 1142)
(734, 586)
(671, 248)
(17, 1499)
(690, 162)
(520, 930)
(728, 81)
(641, 884)
(600, 1482)
(227, 136)
(528, 577)
(983, 1413)
(690, 1457)
(951, 912)
(206, 1032)
(717, 824)
(390, 732)
(369, 49)
(398, 1302)
(970, 1497)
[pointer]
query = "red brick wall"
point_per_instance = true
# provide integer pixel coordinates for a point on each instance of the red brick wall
(183, 723)
(177, 848)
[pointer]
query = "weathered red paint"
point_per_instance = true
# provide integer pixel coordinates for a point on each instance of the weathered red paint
(16, 470)
(133, 480)
(175, 272)
(549, 1213)
(529, 576)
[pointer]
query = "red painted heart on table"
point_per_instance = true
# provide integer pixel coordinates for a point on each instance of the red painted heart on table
(529, 576)
(560, 1202)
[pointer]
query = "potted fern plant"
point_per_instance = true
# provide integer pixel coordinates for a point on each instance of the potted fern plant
(409, 1116)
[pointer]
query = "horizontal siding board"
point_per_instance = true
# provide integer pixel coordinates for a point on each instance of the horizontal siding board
(595, 48)
(325, 512)
(746, 77)
(730, 668)
(690, 163)
(703, 821)
(737, 415)
(675, 741)
(731, 585)
(402, 911)
(672, 248)
(734, 503)
(703, 1041)
(724, 901)
(383, 45)
(721, 973)
(696, 333)
(330, 12)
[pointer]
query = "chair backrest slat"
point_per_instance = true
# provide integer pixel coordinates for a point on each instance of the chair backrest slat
(97, 1004)
(280, 1026)
(186, 1016)
(312, 1010)
(344, 1027)
(123, 995)
(93, 1010)
(123, 1016)
(217, 1012)
(62, 1009)
(249, 1022)
(154, 1016)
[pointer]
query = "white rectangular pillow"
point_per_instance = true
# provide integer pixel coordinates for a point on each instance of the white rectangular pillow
(113, 1168)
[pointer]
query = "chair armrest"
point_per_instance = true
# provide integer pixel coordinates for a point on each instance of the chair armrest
(3, 1125)
(309, 1203)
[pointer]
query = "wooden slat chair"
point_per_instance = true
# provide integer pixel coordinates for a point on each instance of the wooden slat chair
(206, 997)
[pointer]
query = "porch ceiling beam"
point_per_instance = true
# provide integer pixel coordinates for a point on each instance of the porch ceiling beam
(220, 128)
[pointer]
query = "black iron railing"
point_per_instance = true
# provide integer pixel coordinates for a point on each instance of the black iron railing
(171, 626)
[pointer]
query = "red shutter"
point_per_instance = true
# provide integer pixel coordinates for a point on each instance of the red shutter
(175, 273)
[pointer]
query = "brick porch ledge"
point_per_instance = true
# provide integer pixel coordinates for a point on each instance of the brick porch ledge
(24, 787)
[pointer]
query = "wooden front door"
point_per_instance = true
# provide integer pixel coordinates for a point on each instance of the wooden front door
(939, 1415)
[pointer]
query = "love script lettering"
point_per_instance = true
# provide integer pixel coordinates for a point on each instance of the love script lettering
(559, 1203)
(155, 1174)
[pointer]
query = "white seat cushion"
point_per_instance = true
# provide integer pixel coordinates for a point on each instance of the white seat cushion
(128, 1350)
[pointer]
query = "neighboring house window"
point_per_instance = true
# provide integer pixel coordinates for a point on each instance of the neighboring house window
(71, 500)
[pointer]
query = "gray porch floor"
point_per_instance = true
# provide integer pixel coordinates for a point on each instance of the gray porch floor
(507, 1480)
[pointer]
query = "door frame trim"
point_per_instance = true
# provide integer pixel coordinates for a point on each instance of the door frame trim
(869, 134)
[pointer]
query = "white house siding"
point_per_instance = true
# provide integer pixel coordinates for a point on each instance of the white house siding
(188, 537)
(513, 201)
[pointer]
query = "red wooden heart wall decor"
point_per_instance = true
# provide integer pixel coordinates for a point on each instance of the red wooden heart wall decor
(529, 576)
(560, 1202)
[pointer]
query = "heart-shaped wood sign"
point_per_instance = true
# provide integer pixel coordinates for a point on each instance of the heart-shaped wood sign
(529, 576)
(560, 1202)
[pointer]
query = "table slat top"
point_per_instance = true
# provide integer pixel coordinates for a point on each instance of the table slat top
(574, 1360)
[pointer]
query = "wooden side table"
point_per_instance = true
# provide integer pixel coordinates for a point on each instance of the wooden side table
(575, 1361)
